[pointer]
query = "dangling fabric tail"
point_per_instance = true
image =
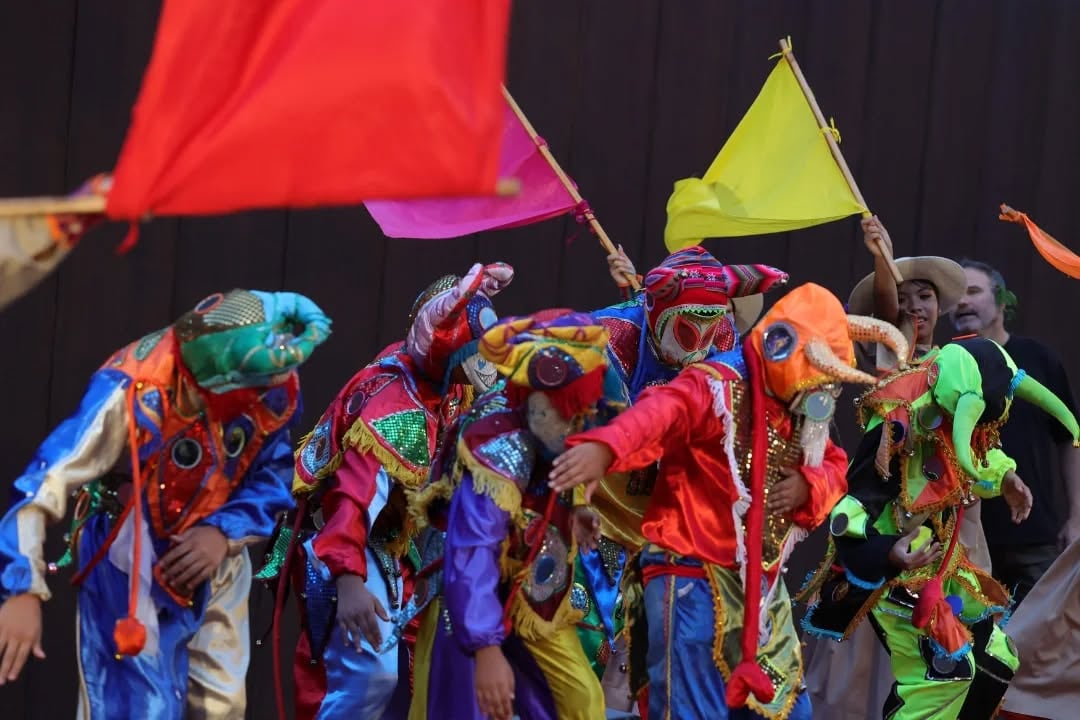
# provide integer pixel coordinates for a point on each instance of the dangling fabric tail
(933, 609)
(130, 634)
(279, 605)
(1052, 251)
(748, 677)
(131, 239)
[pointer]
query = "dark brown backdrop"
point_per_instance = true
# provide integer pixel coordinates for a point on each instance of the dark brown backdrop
(946, 109)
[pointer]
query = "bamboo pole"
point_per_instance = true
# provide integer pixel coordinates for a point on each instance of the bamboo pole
(602, 236)
(94, 204)
(785, 50)
(82, 205)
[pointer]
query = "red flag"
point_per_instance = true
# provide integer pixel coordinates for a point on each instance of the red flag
(272, 103)
(1052, 251)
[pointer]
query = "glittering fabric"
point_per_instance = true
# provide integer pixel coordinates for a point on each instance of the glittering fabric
(274, 560)
(512, 455)
(314, 455)
(579, 598)
(549, 571)
(612, 555)
(147, 344)
(320, 602)
(236, 308)
(784, 451)
(624, 337)
(406, 432)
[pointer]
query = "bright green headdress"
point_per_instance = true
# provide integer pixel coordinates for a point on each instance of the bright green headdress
(975, 382)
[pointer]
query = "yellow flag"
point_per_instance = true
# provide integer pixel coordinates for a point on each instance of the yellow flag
(775, 173)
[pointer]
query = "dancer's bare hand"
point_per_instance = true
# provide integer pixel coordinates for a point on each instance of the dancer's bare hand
(788, 494)
(621, 268)
(876, 238)
(585, 524)
(581, 464)
(359, 611)
(1017, 495)
(197, 554)
(20, 634)
(903, 557)
(494, 684)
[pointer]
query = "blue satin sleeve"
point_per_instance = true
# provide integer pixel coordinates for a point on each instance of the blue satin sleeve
(476, 530)
(251, 511)
(79, 450)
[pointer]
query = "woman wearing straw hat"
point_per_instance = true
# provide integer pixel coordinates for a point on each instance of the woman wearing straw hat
(932, 287)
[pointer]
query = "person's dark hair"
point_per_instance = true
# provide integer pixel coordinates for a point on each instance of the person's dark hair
(926, 284)
(1002, 294)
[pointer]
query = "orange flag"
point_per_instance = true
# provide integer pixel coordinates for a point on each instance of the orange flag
(1052, 251)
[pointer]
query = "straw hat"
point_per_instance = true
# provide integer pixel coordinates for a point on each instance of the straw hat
(946, 275)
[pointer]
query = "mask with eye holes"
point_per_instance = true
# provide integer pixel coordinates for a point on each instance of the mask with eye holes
(687, 301)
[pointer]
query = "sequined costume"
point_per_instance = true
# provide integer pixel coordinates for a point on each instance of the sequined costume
(207, 403)
(682, 312)
(374, 443)
(724, 431)
(509, 556)
(931, 447)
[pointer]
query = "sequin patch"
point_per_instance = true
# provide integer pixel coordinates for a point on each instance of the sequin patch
(147, 344)
(549, 572)
(406, 433)
(624, 338)
(579, 598)
(320, 600)
(511, 455)
(315, 453)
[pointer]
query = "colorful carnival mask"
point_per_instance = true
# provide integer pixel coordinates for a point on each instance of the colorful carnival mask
(555, 358)
(448, 319)
(248, 338)
(975, 381)
(805, 344)
(687, 299)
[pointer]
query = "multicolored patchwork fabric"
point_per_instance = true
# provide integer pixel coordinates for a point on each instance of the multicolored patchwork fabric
(694, 277)
(382, 409)
(243, 338)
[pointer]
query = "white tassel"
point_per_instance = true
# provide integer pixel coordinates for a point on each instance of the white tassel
(742, 504)
(813, 438)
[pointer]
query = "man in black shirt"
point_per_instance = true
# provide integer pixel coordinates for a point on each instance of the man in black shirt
(1045, 457)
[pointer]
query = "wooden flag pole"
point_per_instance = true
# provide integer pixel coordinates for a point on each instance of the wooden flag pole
(605, 241)
(834, 147)
(81, 205)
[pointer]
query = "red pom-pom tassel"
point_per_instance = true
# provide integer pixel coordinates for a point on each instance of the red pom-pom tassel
(748, 678)
(130, 636)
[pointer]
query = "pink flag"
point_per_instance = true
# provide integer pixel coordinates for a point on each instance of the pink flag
(542, 196)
